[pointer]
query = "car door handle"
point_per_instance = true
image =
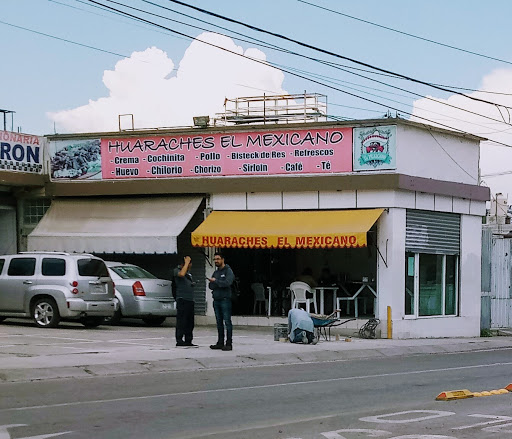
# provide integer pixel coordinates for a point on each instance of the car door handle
(94, 282)
(27, 282)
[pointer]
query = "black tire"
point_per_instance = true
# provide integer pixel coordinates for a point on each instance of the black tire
(115, 319)
(46, 313)
(92, 322)
(153, 321)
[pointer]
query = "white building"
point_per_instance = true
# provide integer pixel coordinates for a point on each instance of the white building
(392, 208)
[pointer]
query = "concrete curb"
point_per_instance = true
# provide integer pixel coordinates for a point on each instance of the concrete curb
(232, 360)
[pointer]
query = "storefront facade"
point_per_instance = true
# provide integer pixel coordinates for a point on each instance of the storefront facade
(22, 181)
(388, 206)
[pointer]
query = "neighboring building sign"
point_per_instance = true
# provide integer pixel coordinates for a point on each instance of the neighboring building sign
(313, 151)
(20, 152)
(75, 159)
(375, 148)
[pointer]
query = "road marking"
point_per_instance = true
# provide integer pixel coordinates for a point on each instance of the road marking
(431, 414)
(495, 420)
(266, 386)
(371, 433)
(4, 434)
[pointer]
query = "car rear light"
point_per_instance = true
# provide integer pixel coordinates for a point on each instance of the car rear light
(138, 290)
(74, 283)
(74, 290)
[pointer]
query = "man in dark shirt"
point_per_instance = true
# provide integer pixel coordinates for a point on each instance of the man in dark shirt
(184, 302)
(220, 283)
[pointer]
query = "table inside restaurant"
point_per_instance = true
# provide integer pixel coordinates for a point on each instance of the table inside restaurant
(361, 286)
(356, 287)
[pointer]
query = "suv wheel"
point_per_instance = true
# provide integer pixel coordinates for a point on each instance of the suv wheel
(92, 322)
(153, 321)
(45, 313)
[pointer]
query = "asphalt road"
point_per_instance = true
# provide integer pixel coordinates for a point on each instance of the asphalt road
(387, 397)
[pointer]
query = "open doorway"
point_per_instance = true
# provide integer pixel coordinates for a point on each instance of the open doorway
(347, 270)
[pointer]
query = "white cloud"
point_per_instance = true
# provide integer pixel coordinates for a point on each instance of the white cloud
(493, 158)
(146, 86)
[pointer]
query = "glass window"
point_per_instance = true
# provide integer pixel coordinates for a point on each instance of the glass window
(53, 267)
(22, 267)
(34, 210)
(409, 283)
(92, 267)
(2, 262)
(451, 284)
(132, 272)
(431, 284)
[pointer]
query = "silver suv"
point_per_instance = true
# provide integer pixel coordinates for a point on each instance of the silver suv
(50, 286)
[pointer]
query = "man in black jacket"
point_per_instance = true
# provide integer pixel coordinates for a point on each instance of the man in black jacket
(220, 284)
(184, 302)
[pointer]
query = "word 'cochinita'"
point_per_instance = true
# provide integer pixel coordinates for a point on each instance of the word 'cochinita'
(280, 241)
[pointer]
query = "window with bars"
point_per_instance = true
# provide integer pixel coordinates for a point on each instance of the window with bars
(34, 209)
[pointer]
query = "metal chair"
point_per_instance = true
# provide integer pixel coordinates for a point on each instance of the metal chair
(299, 294)
(259, 296)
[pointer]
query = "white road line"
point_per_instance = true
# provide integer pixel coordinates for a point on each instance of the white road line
(266, 386)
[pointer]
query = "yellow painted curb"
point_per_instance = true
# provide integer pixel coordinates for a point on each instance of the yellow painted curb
(465, 393)
(454, 394)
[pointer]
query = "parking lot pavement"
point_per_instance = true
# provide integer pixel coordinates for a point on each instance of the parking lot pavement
(31, 353)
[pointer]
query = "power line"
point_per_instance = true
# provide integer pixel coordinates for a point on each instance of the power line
(273, 47)
(327, 52)
(405, 33)
(297, 75)
(64, 39)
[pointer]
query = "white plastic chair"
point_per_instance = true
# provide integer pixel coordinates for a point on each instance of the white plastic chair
(299, 290)
(259, 296)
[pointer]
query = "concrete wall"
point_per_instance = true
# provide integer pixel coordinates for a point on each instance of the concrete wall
(467, 324)
(431, 154)
(350, 199)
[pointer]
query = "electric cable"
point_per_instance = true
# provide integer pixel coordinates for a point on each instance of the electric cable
(405, 33)
(64, 39)
(303, 77)
(294, 53)
(327, 52)
(273, 47)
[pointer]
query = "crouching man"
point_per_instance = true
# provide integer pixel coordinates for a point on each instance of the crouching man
(300, 327)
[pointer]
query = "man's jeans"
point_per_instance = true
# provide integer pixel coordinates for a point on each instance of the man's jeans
(222, 309)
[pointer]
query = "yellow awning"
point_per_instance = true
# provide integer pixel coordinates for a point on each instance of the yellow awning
(291, 229)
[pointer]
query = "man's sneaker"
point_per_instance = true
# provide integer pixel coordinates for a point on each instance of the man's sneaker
(181, 343)
(217, 346)
(304, 337)
(190, 344)
(227, 347)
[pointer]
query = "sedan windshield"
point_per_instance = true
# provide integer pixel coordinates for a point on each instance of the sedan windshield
(132, 272)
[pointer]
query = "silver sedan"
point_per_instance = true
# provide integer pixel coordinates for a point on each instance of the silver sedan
(141, 294)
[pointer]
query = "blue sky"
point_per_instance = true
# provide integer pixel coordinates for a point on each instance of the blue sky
(41, 75)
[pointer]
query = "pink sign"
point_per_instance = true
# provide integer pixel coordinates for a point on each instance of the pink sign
(311, 151)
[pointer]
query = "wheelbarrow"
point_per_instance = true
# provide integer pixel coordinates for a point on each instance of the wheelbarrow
(324, 323)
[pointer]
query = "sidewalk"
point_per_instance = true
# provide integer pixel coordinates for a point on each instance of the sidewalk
(29, 353)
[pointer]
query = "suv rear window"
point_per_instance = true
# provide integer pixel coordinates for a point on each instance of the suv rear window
(53, 267)
(92, 267)
(22, 267)
(2, 262)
